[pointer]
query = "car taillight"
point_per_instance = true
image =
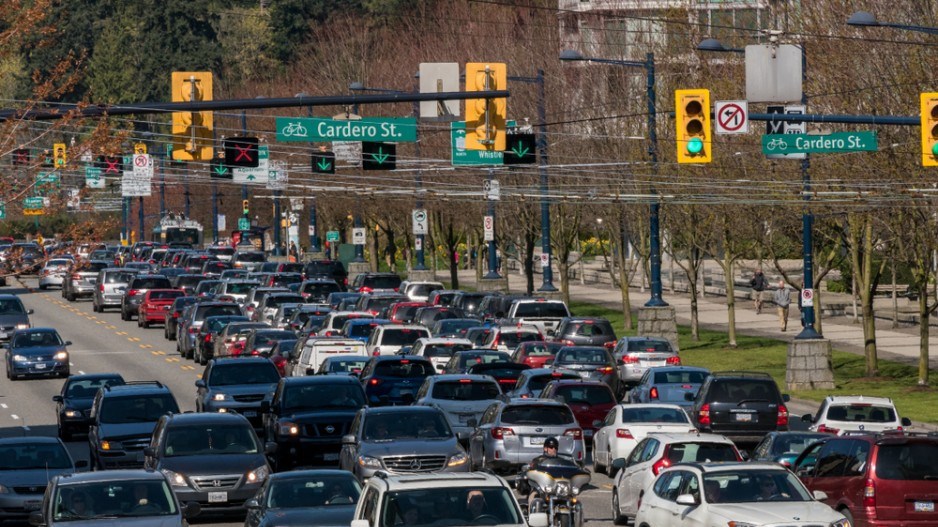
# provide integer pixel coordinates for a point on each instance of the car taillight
(208, 338)
(869, 499)
(499, 432)
(629, 359)
(76, 276)
(345, 281)
(132, 292)
(374, 382)
(567, 343)
(364, 289)
(575, 433)
(824, 429)
(675, 360)
(653, 393)
(782, 419)
(624, 433)
(175, 314)
(101, 288)
(609, 345)
(193, 330)
(703, 415)
(661, 464)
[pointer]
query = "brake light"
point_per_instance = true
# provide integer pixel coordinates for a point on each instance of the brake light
(782, 419)
(208, 338)
(824, 429)
(132, 292)
(101, 288)
(364, 290)
(76, 276)
(662, 463)
(193, 330)
(703, 415)
(609, 345)
(175, 314)
(624, 433)
(345, 281)
(869, 498)
(607, 369)
(675, 360)
(575, 433)
(629, 359)
(499, 432)
(653, 393)
(566, 342)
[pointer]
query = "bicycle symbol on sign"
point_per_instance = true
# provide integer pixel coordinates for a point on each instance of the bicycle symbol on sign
(778, 142)
(294, 130)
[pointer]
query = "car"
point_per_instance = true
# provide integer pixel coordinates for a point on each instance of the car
(419, 291)
(505, 373)
(208, 332)
(378, 303)
(156, 303)
(442, 297)
(111, 284)
(268, 305)
(439, 350)
(137, 289)
(511, 434)
(784, 447)
(394, 379)
(112, 498)
(627, 424)
(304, 312)
(401, 440)
(733, 494)
(315, 350)
(27, 464)
(187, 282)
(589, 400)
(81, 280)
(189, 325)
(634, 355)
(237, 289)
(317, 290)
(37, 352)
(531, 381)
(334, 299)
(441, 499)
(469, 302)
(239, 385)
(536, 353)
(335, 321)
(233, 274)
(463, 360)
(260, 340)
(248, 260)
(541, 313)
(463, 398)
(371, 282)
(342, 365)
(361, 328)
(53, 272)
(171, 317)
(123, 418)
(668, 384)
(213, 459)
(215, 267)
(281, 352)
(591, 331)
(283, 315)
(844, 414)
(478, 335)
(256, 295)
(428, 316)
(655, 453)
(390, 338)
(13, 316)
(452, 327)
(743, 406)
(206, 288)
(875, 479)
(307, 417)
(291, 499)
(230, 340)
(73, 403)
(507, 338)
(333, 269)
(591, 362)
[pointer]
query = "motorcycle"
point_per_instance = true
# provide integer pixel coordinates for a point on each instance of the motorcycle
(555, 484)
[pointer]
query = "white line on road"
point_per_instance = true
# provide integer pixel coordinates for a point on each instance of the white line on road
(4, 406)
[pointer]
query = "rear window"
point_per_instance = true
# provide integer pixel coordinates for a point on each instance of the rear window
(678, 377)
(138, 408)
(484, 358)
(514, 338)
(436, 351)
(582, 356)
(540, 350)
(653, 415)
(214, 311)
(403, 369)
(537, 415)
(275, 301)
(221, 250)
(194, 280)
(401, 337)
(589, 329)
(538, 382)
(423, 289)
(744, 389)
(701, 452)
(586, 395)
(541, 309)
(382, 282)
(165, 295)
(314, 268)
(465, 390)
(151, 283)
(267, 337)
(360, 330)
(239, 289)
(318, 288)
(347, 365)
(863, 413)
(649, 345)
(250, 257)
(118, 278)
(246, 373)
(910, 461)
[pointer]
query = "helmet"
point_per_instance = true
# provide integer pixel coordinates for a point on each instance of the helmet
(551, 442)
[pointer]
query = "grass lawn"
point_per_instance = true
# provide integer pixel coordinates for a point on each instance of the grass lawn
(896, 380)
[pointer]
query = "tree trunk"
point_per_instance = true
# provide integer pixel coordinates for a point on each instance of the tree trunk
(452, 242)
(692, 285)
(624, 276)
(564, 269)
(863, 270)
(529, 242)
(924, 314)
(728, 266)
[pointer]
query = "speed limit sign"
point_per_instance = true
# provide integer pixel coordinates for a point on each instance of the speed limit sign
(807, 297)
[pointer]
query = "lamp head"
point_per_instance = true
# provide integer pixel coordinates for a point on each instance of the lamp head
(571, 54)
(862, 18)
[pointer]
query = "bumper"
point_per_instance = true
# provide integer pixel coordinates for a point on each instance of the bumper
(120, 459)
(51, 280)
(309, 451)
(252, 411)
(75, 424)
(154, 316)
(39, 369)
(19, 506)
(110, 300)
(221, 501)
(365, 473)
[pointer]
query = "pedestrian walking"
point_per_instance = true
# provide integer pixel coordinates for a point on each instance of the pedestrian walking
(782, 299)
(294, 253)
(758, 284)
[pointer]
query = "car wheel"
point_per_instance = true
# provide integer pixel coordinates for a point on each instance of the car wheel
(64, 434)
(94, 307)
(124, 316)
(145, 324)
(65, 374)
(846, 512)
(70, 297)
(617, 517)
(203, 360)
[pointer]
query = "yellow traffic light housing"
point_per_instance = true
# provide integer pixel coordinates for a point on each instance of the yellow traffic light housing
(929, 120)
(486, 118)
(692, 115)
(192, 131)
(245, 206)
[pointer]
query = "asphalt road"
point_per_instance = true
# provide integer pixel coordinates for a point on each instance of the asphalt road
(101, 342)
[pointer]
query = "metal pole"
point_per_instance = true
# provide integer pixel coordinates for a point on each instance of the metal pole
(493, 257)
(807, 223)
(162, 187)
(654, 211)
(142, 236)
(187, 196)
(244, 131)
(214, 212)
(277, 223)
(357, 217)
(420, 264)
(314, 241)
(125, 232)
(547, 274)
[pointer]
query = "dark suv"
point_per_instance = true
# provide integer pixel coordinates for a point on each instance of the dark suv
(122, 420)
(575, 331)
(308, 417)
(237, 385)
(137, 289)
(369, 282)
(329, 269)
(743, 406)
(876, 480)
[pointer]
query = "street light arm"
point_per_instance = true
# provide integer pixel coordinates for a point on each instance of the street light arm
(867, 19)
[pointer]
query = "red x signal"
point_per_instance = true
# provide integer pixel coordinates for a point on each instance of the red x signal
(244, 153)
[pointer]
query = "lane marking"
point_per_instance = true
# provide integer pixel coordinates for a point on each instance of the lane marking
(121, 333)
(4, 406)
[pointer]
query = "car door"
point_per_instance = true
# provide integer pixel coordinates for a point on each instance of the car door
(477, 439)
(663, 509)
(601, 450)
(635, 476)
(838, 461)
(350, 451)
(620, 485)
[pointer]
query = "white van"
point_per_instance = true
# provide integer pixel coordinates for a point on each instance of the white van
(390, 338)
(316, 349)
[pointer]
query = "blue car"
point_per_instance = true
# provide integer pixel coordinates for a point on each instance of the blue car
(394, 379)
(668, 384)
(37, 352)
(361, 328)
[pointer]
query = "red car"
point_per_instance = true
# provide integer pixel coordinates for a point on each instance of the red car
(155, 305)
(590, 401)
(535, 353)
(403, 312)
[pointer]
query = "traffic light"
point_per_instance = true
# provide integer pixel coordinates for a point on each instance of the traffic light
(111, 165)
(482, 134)
(192, 131)
(241, 152)
(692, 115)
(379, 156)
(58, 152)
(245, 207)
(929, 119)
(522, 149)
(219, 170)
(21, 157)
(323, 162)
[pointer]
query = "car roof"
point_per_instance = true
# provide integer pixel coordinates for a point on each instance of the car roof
(735, 466)
(388, 358)
(310, 473)
(92, 376)
(691, 437)
(459, 377)
(444, 340)
(206, 418)
(109, 475)
(399, 409)
(222, 361)
(861, 399)
(135, 387)
(321, 379)
(28, 440)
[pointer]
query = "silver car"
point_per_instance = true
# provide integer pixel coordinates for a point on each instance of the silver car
(462, 398)
(401, 440)
(511, 434)
(112, 282)
(26, 466)
(634, 355)
(53, 272)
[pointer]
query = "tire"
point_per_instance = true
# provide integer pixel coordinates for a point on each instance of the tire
(95, 308)
(124, 316)
(64, 434)
(70, 297)
(563, 520)
(145, 324)
(43, 287)
(65, 374)
(139, 322)
(617, 517)
(846, 512)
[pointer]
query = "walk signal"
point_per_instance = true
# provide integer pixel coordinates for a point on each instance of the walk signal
(482, 133)
(192, 131)
(241, 152)
(692, 115)
(379, 156)
(929, 119)
(323, 162)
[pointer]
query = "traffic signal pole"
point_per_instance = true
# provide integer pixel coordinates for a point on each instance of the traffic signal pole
(807, 223)
(493, 248)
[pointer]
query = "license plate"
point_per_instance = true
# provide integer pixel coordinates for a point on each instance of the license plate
(743, 418)
(217, 497)
(536, 440)
(465, 418)
(40, 366)
(331, 457)
(249, 413)
(924, 506)
(585, 374)
(32, 505)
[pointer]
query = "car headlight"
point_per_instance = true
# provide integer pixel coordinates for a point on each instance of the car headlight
(843, 522)
(61, 355)
(289, 429)
(369, 462)
(5, 490)
(72, 413)
(219, 397)
(111, 445)
(22, 326)
(458, 459)
(259, 474)
(20, 358)
(175, 479)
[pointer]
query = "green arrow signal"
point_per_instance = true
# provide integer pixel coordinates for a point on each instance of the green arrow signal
(380, 157)
(221, 170)
(520, 153)
(324, 165)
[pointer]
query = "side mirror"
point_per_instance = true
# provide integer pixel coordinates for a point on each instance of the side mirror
(57, 398)
(200, 383)
(906, 421)
(270, 448)
(252, 504)
(192, 509)
(149, 451)
(68, 343)
(36, 519)
(819, 495)
(744, 454)
(597, 423)
(537, 519)
(686, 499)
(472, 423)
(348, 440)
(30, 311)
(310, 371)
(619, 463)
(807, 418)
(786, 398)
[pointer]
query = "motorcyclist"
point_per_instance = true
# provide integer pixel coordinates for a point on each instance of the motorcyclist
(550, 451)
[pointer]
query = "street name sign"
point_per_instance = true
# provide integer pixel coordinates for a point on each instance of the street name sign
(819, 144)
(93, 178)
(332, 236)
(374, 129)
(461, 156)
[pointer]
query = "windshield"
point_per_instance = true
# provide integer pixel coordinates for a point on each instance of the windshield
(35, 339)
(32, 456)
(113, 499)
(450, 507)
(537, 415)
(401, 337)
(649, 345)
(322, 395)
(582, 356)
(248, 373)
(87, 388)
(165, 295)
(442, 351)
(312, 490)
(748, 486)
(465, 390)
(403, 369)
(406, 425)
(11, 307)
(137, 409)
(240, 288)
(680, 377)
(653, 415)
(210, 440)
(586, 394)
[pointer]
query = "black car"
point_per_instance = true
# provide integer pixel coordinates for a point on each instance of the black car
(172, 316)
(394, 379)
(317, 290)
(308, 416)
(237, 385)
(743, 406)
(785, 447)
(137, 289)
(469, 302)
(591, 331)
(73, 403)
(261, 340)
(123, 417)
(426, 316)
(213, 459)
(327, 269)
(188, 282)
(506, 373)
(369, 282)
(294, 499)
(211, 327)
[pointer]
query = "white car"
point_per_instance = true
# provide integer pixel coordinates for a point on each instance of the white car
(627, 424)
(843, 414)
(439, 350)
(741, 494)
(657, 452)
(53, 272)
(390, 338)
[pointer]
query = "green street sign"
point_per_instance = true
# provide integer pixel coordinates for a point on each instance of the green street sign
(33, 203)
(389, 129)
(3, 211)
(48, 178)
(244, 224)
(332, 236)
(463, 157)
(819, 144)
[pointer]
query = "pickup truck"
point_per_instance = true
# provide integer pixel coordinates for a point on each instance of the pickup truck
(544, 314)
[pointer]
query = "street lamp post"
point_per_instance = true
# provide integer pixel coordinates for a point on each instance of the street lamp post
(648, 65)
(315, 244)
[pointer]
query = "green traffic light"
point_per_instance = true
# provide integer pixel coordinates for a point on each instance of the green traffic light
(694, 146)
(934, 149)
